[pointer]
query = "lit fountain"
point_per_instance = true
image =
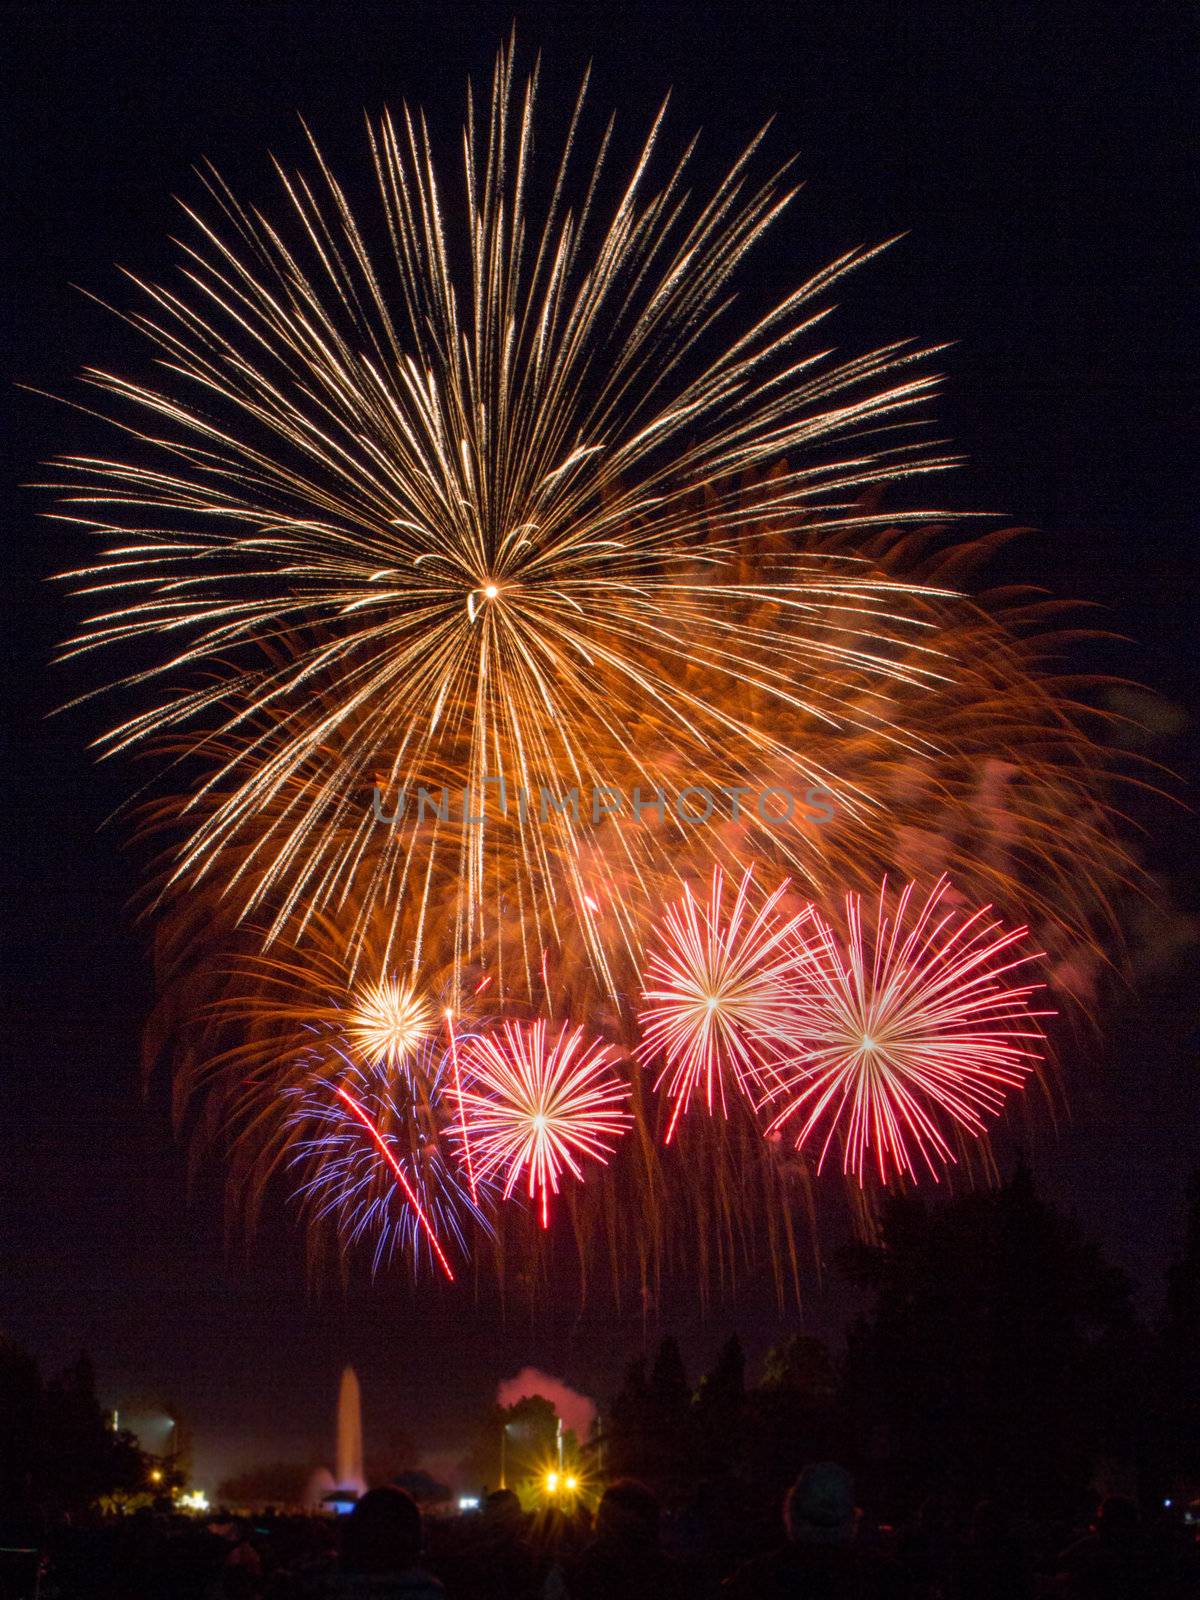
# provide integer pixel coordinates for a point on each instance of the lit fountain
(338, 1493)
(349, 1436)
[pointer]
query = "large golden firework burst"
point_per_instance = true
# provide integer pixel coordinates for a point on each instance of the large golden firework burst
(451, 506)
(473, 505)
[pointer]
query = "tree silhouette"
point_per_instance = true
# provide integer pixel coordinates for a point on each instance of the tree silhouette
(649, 1432)
(623, 1429)
(800, 1365)
(273, 1483)
(670, 1392)
(794, 1415)
(20, 1431)
(1002, 1353)
(82, 1458)
(719, 1410)
(528, 1429)
(1176, 1450)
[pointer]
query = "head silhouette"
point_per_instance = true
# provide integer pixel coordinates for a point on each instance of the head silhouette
(382, 1533)
(819, 1508)
(1117, 1519)
(502, 1509)
(628, 1514)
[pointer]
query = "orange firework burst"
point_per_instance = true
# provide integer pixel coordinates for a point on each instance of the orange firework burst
(906, 1031)
(536, 1106)
(722, 1004)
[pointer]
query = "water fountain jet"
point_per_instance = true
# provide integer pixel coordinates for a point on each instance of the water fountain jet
(339, 1491)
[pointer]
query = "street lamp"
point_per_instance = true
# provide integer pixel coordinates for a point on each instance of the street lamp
(504, 1427)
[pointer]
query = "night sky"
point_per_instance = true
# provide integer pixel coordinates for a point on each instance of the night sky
(1040, 160)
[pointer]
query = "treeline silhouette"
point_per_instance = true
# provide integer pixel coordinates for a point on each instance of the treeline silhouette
(58, 1450)
(1001, 1355)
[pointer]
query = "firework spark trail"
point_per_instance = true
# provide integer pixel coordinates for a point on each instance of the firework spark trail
(388, 1155)
(905, 1030)
(536, 1107)
(1030, 831)
(722, 999)
(466, 1138)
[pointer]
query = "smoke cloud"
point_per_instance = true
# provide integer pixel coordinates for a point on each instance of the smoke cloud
(577, 1412)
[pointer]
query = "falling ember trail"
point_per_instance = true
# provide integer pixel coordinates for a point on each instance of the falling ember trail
(461, 1108)
(400, 1178)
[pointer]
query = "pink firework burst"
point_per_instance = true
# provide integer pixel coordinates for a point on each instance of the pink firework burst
(532, 1107)
(720, 987)
(905, 1032)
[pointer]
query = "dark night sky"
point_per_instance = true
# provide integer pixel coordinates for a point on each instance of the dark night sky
(1040, 158)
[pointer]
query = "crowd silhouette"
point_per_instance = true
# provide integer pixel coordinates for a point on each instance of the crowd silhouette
(826, 1548)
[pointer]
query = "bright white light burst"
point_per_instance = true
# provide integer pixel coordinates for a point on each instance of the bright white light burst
(389, 1019)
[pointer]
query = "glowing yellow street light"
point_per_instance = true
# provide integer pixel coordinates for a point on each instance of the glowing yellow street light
(559, 1483)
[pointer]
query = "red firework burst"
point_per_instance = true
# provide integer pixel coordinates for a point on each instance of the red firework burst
(535, 1106)
(722, 992)
(905, 1032)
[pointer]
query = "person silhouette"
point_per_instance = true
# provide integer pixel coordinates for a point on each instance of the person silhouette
(380, 1551)
(625, 1560)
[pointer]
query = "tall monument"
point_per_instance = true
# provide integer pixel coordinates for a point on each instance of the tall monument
(349, 1459)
